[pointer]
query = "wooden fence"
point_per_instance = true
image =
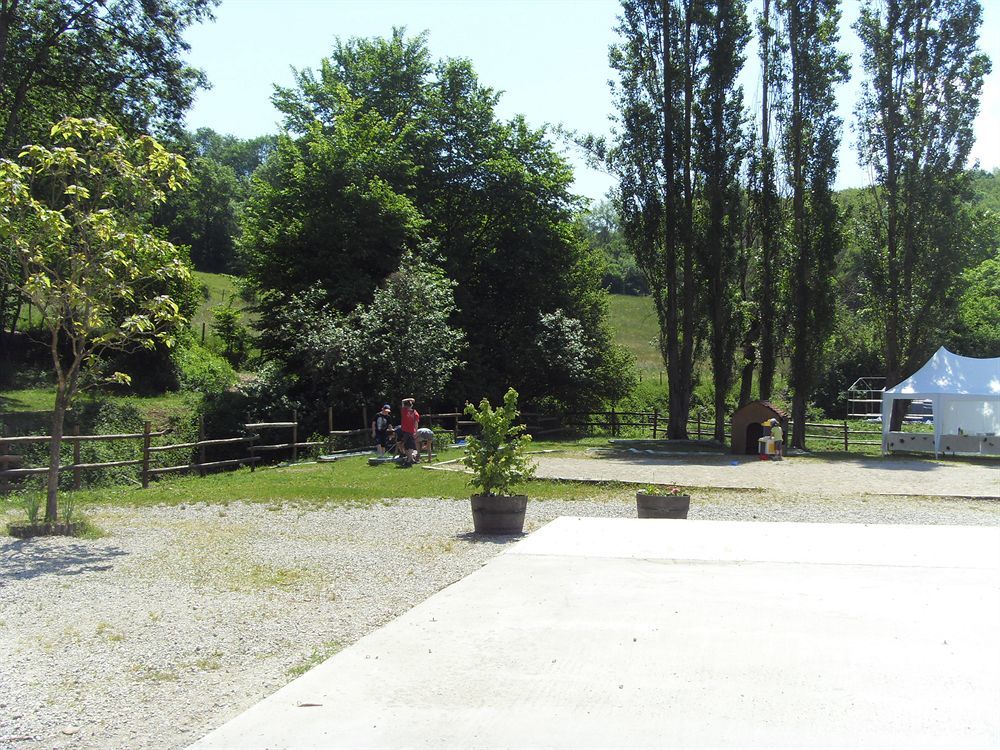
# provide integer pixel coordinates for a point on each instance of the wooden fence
(702, 427)
(12, 465)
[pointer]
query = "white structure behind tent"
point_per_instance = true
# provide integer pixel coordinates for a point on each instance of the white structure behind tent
(965, 393)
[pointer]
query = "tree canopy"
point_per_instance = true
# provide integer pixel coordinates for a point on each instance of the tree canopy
(388, 152)
(119, 59)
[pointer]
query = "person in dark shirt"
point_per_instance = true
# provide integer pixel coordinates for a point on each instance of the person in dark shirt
(380, 429)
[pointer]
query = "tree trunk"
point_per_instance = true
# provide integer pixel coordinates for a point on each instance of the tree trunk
(55, 450)
(749, 363)
(802, 246)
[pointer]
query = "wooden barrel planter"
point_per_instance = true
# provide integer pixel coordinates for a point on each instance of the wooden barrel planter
(662, 506)
(499, 514)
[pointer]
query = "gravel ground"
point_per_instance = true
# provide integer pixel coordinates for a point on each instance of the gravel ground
(182, 617)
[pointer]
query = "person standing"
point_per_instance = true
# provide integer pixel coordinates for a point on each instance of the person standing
(380, 429)
(409, 418)
(777, 434)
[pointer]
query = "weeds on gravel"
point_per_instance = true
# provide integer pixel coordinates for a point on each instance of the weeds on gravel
(318, 656)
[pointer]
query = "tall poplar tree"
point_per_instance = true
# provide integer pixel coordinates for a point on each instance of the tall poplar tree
(720, 149)
(811, 139)
(766, 205)
(652, 155)
(915, 117)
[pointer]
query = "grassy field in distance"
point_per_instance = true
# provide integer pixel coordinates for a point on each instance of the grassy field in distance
(633, 321)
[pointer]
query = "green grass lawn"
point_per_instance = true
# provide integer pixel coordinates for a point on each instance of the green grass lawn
(158, 409)
(349, 481)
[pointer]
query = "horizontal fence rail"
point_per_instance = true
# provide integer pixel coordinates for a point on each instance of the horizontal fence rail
(272, 438)
(282, 436)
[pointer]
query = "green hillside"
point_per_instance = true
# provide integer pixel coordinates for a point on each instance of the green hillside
(633, 321)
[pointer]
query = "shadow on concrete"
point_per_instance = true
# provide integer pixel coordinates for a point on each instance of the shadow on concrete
(23, 559)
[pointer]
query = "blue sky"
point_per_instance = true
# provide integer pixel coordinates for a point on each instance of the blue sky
(548, 56)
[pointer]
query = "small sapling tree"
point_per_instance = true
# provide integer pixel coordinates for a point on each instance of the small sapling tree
(497, 456)
(73, 216)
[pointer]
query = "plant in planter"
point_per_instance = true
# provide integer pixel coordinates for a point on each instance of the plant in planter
(33, 499)
(659, 502)
(498, 462)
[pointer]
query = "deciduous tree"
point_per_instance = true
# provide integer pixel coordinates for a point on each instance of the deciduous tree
(119, 59)
(652, 154)
(811, 139)
(915, 116)
(73, 213)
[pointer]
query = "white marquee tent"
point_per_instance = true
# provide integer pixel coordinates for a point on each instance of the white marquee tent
(965, 395)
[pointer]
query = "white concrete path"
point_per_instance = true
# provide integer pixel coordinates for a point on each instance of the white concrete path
(647, 634)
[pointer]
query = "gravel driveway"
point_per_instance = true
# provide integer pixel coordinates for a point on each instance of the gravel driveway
(182, 617)
(867, 474)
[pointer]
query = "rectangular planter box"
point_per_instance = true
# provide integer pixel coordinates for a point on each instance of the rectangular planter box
(662, 506)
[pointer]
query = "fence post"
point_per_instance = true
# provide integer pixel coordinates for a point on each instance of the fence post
(77, 479)
(295, 435)
(201, 448)
(698, 422)
(329, 429)
(656, 420)
(145, 454)
(4, 450)
(845, 436)
(614, 423)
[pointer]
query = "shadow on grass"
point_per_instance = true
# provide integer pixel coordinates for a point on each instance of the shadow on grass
(11, 404)
(23, 559)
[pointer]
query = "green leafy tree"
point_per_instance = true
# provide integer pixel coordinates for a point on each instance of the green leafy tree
(403, 341)
(205, 215)
(409, 343)
(657, 63)
(324, 208)
(603, 235)
(811, 139)
(720, 151)
(235, 336)
(121, 59)
(915, 117)
(73, 213)
(388, 151)
(979, 310)
(766, 208)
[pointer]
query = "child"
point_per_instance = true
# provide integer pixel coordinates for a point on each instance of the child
(777, 434)
(380, 429)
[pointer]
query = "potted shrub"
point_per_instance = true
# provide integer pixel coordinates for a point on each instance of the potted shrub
(498, 460)
(658, 502)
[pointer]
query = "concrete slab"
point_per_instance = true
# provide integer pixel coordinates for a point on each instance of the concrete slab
(628, 633)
